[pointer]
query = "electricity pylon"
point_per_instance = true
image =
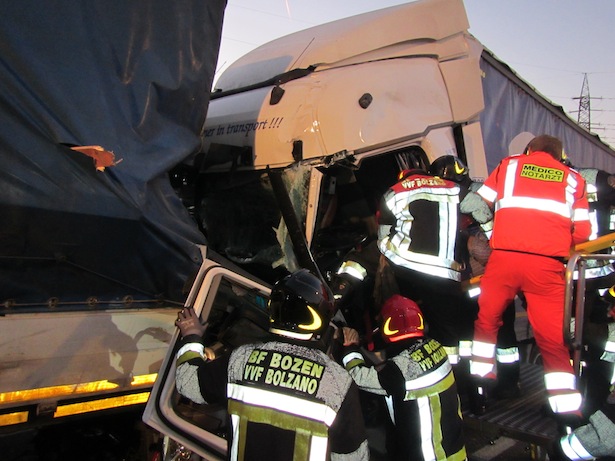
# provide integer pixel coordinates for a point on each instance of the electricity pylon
(584, 115)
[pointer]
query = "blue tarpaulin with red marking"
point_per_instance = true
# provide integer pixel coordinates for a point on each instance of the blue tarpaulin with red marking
(98, 101)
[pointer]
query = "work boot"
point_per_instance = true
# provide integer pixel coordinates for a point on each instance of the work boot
(567, 422)
(480, 394)
(463, 378)
(555, 452)
(508, 381)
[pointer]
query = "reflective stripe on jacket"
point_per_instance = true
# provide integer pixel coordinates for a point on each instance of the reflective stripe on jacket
(541, 196)
(418, 225)
(298, 394)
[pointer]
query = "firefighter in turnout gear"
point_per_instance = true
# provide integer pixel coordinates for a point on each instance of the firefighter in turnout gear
(602, 336)
(417, 382)
(361, 284)
(599, 274)
(535, 192)
(601, 196)
(420, 234)
(287, 399)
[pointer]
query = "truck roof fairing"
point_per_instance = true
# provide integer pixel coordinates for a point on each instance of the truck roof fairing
(386, 77)
(413, 24)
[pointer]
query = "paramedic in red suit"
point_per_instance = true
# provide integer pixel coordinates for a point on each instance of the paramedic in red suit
(541, 212)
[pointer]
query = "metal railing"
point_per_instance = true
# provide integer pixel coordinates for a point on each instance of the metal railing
(577, 262)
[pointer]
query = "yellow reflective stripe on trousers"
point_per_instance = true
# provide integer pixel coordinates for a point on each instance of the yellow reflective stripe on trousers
(430, 413)
(431, 434)
(309, 437)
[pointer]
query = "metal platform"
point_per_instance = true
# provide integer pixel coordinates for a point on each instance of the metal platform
(525, 418)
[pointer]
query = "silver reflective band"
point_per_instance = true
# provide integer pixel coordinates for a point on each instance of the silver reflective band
(560, 381)
(191, 347)
(481, 369)
(453, 354)
(352, 356)
(532, 203)
(573, 449)
(487, 193)
(429, 379)
(509, 355)
(465, 348)
(353, 269)
(281, 402)
(482, 349)
(424, 263)
(565, 403)
(595, 272)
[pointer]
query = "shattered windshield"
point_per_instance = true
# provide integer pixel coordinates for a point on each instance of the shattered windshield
(240, 218)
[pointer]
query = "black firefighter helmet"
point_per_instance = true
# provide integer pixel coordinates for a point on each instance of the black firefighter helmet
(451, 168)
(300, 306)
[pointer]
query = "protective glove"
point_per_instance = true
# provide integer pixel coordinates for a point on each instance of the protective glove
(189, 323)
(351, 337)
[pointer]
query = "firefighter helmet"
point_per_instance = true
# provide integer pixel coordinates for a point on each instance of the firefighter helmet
(450, 167)
(300, 306)
(401, 318)
(565, 159)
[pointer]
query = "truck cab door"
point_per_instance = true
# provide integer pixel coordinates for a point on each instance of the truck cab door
(233, 305)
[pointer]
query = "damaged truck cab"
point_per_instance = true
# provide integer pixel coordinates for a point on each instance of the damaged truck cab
(336, 110)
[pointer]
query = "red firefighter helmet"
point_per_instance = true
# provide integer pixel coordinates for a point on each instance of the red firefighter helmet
(401, 318)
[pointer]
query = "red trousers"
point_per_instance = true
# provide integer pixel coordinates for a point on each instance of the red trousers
(542, 281)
